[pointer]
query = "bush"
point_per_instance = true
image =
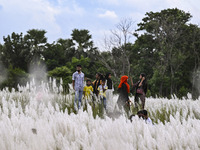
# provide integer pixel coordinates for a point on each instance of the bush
(14, 77)
(182, 92)
(64, 73)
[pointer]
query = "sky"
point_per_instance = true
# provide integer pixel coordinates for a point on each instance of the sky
(60, 17)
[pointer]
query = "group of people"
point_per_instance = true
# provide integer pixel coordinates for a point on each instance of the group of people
(96, 88)
(102, 83)
(139, 88)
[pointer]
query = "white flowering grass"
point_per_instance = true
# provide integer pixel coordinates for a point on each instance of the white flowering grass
(32, 119)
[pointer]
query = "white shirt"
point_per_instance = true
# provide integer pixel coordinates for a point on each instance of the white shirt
(101, 92)
(79, 80)
(148, 121)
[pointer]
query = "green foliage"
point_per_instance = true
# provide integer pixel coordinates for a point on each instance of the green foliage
(58, 54)
(182, 92)
(15, 77)
(64, 73)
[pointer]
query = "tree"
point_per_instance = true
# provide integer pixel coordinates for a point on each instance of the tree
(167, 29)
(59, 53)
(119, 46)
(83, 41)
(14, 51)
(35, 41)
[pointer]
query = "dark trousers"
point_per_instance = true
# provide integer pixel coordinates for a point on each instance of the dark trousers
(142, 98)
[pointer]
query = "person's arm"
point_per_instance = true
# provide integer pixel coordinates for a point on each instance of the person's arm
(143, 78)
(84, 91)
(131, 82)
(83, 78)
(93, 82)
(98, 89)
(73, 83)
(104, 89)
(73, 80)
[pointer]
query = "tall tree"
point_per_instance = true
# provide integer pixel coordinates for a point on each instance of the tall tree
(59, 53)
(83, 41)
(35, 40)
(119, 46)
(167, 29)
(14, 51)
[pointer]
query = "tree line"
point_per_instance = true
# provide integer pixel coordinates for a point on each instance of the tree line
(166, 49)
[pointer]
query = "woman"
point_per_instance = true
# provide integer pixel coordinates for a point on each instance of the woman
(124, 90)
(96, 83)
(141, 90)
(109, 80)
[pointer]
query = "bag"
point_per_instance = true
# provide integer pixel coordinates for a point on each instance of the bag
(140, 91)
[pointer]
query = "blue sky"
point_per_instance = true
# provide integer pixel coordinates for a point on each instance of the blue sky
(60, 17)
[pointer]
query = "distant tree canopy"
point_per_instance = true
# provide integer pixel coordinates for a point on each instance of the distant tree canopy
(167, 49)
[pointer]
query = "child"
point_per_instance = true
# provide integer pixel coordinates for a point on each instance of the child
(102, 92)
(88, 89)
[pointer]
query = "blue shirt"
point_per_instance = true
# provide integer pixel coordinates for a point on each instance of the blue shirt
(79, 80)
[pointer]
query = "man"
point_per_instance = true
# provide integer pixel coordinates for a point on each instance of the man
(77, 83)
(144, 115)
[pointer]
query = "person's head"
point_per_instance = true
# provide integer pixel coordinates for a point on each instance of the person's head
(131, 117)
(78, 68)
(88, 82)
(98, 75)
(108, 76)
(142, 75)
(103, 81)
(124, 79)
(142, 114)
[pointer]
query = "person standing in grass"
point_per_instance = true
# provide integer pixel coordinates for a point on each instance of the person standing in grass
(78, 84)
(88, 89)
(96, 83)
(109, 81)
(124, 90)
(141, 90)
(102, 92)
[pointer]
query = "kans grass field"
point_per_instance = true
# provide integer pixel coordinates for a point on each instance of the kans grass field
(42, 118)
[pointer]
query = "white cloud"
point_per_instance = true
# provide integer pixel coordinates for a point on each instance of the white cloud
(108, 14)
(22, 15)
(59, 17)
(109, 2)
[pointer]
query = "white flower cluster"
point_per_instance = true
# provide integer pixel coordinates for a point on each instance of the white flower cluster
(33, 120)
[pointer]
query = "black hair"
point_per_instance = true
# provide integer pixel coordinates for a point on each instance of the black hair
(131, 117)
(145, 112)
(100, 75)
(78, 65)
(88, 80)
(103, 79)
(142, 113)
(143, 75)
(107, 75)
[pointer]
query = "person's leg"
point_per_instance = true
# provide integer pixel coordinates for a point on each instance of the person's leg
(80, 98)
(142, 98)
(104, 102)
(76, 99)
(136, 100)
